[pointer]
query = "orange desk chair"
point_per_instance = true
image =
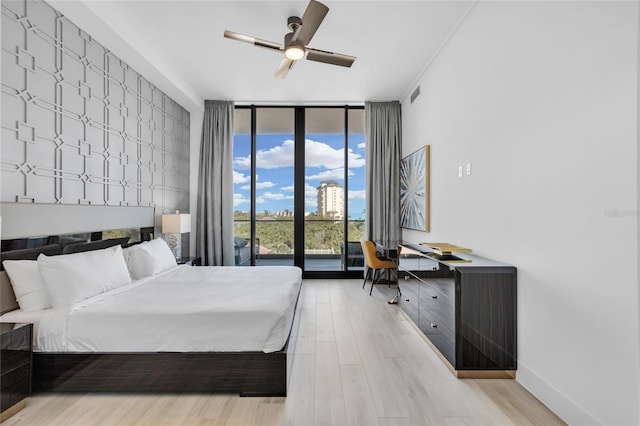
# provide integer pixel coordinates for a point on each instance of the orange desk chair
(375, 264)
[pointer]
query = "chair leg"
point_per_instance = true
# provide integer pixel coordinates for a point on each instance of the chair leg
(373, 280)
(366, 275)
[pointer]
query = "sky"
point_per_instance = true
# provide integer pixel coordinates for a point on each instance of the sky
(324, 158)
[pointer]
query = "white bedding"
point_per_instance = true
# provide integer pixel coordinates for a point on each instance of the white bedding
(184, 309)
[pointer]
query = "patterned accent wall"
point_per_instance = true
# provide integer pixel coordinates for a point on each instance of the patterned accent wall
(79, 126)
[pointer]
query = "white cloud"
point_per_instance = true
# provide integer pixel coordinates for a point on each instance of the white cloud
(263, 185)
(317, 154)
(259, 185)
(240, 178)
(356, 195)
(362, 145)
(335, 174)
(310, 191)
(272, 158)
(276, 196)
(311, 204)
(310, 198)
(240, 199)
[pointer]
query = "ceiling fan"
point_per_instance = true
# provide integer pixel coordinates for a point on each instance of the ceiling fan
(295, 43)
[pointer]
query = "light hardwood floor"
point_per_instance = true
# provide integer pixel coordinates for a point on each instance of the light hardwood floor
(358, 362)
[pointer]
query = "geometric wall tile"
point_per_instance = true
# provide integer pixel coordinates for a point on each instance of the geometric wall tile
(84, 90)
(26, 133)
(85, 148)
(26, 61)
(105, 134)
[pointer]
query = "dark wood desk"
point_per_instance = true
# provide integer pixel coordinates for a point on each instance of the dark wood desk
(466, 308)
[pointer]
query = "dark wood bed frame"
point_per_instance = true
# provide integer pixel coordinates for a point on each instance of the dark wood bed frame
(245, 373)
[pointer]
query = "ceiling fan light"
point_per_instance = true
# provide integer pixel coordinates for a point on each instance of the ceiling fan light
(294, 51)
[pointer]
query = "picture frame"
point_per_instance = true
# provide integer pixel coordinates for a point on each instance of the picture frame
(414, 190)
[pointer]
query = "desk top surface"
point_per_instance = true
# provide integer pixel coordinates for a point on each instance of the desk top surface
(458, 260)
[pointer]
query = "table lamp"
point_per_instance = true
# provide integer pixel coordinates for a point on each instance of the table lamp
(174, 225)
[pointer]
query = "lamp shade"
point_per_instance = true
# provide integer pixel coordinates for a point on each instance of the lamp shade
(179, 223)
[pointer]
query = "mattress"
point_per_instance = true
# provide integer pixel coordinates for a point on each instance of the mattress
(183, 309)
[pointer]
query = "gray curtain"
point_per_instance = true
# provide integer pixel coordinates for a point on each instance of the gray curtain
(214, 235)
(383, 131)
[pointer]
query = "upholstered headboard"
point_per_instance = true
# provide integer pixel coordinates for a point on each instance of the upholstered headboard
(7, 298)
(41, 224)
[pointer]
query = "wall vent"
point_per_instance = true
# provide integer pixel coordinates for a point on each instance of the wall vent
(415, 94)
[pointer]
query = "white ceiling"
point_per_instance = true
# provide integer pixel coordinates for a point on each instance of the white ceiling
(179, 46)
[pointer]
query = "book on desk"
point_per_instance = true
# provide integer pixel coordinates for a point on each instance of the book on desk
(444, 252)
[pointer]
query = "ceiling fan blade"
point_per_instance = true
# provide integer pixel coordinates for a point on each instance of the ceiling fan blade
(311, 20)
(252, 40)
(283, 68)
(330, 57)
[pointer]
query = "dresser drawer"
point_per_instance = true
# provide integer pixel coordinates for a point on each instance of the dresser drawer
(409, 299)
(16, 386)
(445, 286)
(441, 308)
(431, 324)
(12, 359)
(15, 364)
(10, 378)
(16, 339)
(446, 347)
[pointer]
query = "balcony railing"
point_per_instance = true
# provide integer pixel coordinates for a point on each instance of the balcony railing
(324, 242)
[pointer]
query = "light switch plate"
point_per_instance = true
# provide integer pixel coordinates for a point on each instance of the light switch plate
(468, 169)
(459, 171)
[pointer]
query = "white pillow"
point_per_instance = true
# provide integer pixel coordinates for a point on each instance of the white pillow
(71, 278)
(27, 284)
(148, 258)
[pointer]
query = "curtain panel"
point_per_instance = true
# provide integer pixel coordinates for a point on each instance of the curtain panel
(383, 130)
(214, 234)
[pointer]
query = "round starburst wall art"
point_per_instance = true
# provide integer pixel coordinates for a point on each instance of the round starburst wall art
(414, 190)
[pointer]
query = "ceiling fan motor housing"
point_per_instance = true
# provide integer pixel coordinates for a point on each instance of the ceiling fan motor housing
(293, 22)
(293, 49)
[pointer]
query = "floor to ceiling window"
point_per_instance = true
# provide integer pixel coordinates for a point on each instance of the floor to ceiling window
(299, 181)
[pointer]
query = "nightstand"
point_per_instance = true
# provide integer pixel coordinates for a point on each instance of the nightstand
(192, 261)
(15, 367)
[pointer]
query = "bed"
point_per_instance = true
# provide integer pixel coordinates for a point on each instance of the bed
(180, 329)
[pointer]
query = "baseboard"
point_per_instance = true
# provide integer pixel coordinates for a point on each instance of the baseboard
(560, 404)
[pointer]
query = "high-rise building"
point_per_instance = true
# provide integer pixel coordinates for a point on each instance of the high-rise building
(331, 199)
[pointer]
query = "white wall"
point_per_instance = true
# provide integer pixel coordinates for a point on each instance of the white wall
(542, 99)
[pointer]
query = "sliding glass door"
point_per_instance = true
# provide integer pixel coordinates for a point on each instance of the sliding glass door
(299, 187)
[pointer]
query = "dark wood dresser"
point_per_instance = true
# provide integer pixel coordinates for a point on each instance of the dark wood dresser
(15, 367)
(466, 308)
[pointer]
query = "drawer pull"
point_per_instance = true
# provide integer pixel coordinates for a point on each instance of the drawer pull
(434, 325)
(407, 300)
(434, 297)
